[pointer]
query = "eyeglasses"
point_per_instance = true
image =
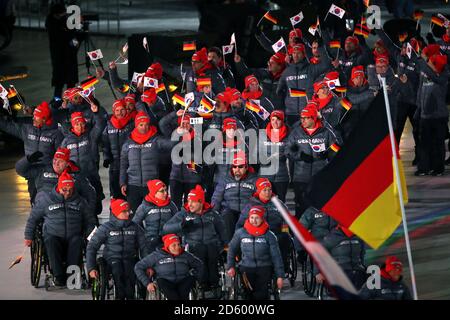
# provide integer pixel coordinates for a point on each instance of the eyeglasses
(240, 167)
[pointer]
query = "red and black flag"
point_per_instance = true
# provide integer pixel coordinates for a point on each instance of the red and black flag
(358, 187)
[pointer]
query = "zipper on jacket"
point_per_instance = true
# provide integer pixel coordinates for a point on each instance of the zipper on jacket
(254, 251)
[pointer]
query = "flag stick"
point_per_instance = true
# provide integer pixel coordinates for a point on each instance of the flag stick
(261, 18)
(337, 54)
(399, 186)
(417, 24)
(326, 15)
(182, 77)
(318, 27)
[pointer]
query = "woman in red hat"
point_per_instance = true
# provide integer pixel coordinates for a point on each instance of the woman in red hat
(260, 255)
(173, 270)
(253, 94)
(271, 153)
(327, 104)
(118, 128)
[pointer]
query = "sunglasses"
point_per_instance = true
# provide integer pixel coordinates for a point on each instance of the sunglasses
(240, 167)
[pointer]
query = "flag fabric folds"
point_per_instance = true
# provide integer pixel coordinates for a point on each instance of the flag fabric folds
(95, 55)
(269, 17)
(334, 44)
(178, 99)
(189, 46)
(337, 11)
(297, 93)
(89, 82)
(296, 19)
(358, 187)
(280, 44)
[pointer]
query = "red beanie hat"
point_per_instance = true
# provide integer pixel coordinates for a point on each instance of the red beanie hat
(431, 49)
(229, 123)
(223, 97)
(382, 60)
(168, 239)
(43, 111)
(296, 47)
(130, 98)
(278, 113)
(239, 158)
(154, 186)
(258, 210)
(357, 71)
(149, 96)
(197, 194)
(233, 94)
(318, 85)
(261, 184)
(154, 71)
(118, 104)
(118, 205)
(295, 33)
(249, 79)
(393, 263)
(310, 111)
(439, 61)
(353, 40)
(71, 93)
(77, 117)
(186, 117)
(65, 180)
(141, 116)
(333, 75)
(279, 58)
(201, 55)
(62, 153)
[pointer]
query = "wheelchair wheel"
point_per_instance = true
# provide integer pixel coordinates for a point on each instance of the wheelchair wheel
(323, 293)
(292, 263)
(308, 279)
(99, 287)
(273, 289)
(195, 292)
(37, 259)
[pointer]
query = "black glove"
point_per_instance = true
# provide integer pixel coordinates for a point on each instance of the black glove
(306, 157)
(35, 157)
(106, 163)
(323, 155)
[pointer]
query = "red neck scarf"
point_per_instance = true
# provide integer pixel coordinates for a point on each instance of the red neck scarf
(314, 60)
(310, 132)
(271, 133)
(256, 231)
(324, 101)
(120, 123)
(202, 71)
(141, 138)
(158, 202)
(446, 38)
(255, 95)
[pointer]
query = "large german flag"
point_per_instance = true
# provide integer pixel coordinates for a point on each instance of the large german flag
(358, 188)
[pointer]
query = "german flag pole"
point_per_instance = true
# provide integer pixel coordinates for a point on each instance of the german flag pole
(399, 186)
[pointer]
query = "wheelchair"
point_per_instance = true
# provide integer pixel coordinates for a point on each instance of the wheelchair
(39, 260)
(292, 266)
(308, 278)
(103, 287)
(239, 290)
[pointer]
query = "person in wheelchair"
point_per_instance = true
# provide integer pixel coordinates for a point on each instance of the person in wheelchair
(174, 269)
(391, 287)
(66, 221)
(234, 191)
(348, 250)
(318, 223)
(123, 240)
(204, 233)
(262, 198)
(155, 210)
(260, 255)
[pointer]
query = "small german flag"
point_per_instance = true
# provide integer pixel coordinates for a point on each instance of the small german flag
(402, 36)
(160, 88)
(250, 105)
(335, 44)
(285, 228)
(208, 115)
(437, 21)
(418, 14)
(178, 99)
(340, 89)
(206, 104)
(124, 88)
(89, 82)
(335, 147)
(203, 82)
(269, 17)
(189, 46)
(346, 104)
(362, 30)
(297, 93)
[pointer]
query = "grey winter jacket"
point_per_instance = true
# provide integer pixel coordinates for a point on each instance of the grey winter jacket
(139, 163)
(123, 240)
(234, 194)
(310, 153)
(168, 267)
(155, 111)
(83, 149)
(432, 92)
(113, 139)
(153, 218)
(300, 75)
(46, 179)
(259, 251)
(317, 222)
(389, 290)
(62, 218)
(62, 116)
(207, 228)
(45, 140)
